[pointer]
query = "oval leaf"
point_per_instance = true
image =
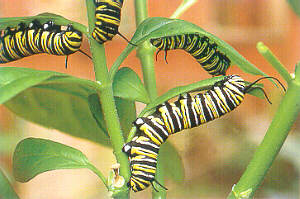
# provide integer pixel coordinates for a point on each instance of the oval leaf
(125, 108)
(14, 81)
(33, 156)
(12, 22)
(127, 85)
(127, 114)
(160, 27)
(59, 102)
(95, 108)
(6, 190)
(257, 93)
(156, 27)
(197, 86)
(295, 4)
(44, 17)
(256, 90)
(171, 162)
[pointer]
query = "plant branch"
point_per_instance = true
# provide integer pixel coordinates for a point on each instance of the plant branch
(269, 148)
(145, 52)
(99, 174)
(272, 59)
(185, 5)
(108, 104)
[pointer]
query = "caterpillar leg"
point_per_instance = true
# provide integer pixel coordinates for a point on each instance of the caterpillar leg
(158, 184)
(125, 39)
(66, 62)
(166, 53)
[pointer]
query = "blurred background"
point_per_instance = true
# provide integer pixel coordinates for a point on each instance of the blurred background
(215, 154)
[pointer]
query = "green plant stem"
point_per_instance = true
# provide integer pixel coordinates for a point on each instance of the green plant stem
(99, 174)
(271, 58)
(185, 5)
(6, 190)
(108, 104)
(145, 52)
(265, 154)
(114, 68)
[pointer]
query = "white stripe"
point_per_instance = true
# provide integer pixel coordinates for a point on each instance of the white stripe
(145, 159)
(141, 149)
(219, 102)
(148, 144)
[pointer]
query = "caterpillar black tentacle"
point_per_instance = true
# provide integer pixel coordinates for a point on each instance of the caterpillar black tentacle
(169, 118)
(249, 87)
(200, 47)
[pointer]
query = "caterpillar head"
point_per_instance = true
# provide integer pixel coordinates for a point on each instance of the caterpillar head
(185, 96)
(157, 42)
(249, 87)
(237, 81)
(127, 148)
(35, 24)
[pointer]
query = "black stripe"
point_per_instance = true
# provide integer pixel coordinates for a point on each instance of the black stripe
(219, 110)
(5, 52)
(145, 146)
(207, 115)
(144, 162)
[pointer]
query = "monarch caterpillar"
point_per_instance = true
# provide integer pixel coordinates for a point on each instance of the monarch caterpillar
(108, 17)
(206, 53)
(169, 118)
(38, 38)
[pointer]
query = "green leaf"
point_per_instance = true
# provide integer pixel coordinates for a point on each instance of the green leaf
(256, 90)
(6, 190)
(156, 27)
(127, 114)
(125, 108)
(13, 22)
(171, 162)
(127, 85)
(174, 92)
(13, 81)
(34, 156)
(59, 102)
(295, 4)
(257, 93)
(95, 108)
(197, 86)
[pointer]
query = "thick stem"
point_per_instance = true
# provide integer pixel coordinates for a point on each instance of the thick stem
(265, 154)
(145, 52)
(108, 104)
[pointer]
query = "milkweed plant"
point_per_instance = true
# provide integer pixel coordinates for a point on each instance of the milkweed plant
(103, 110)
